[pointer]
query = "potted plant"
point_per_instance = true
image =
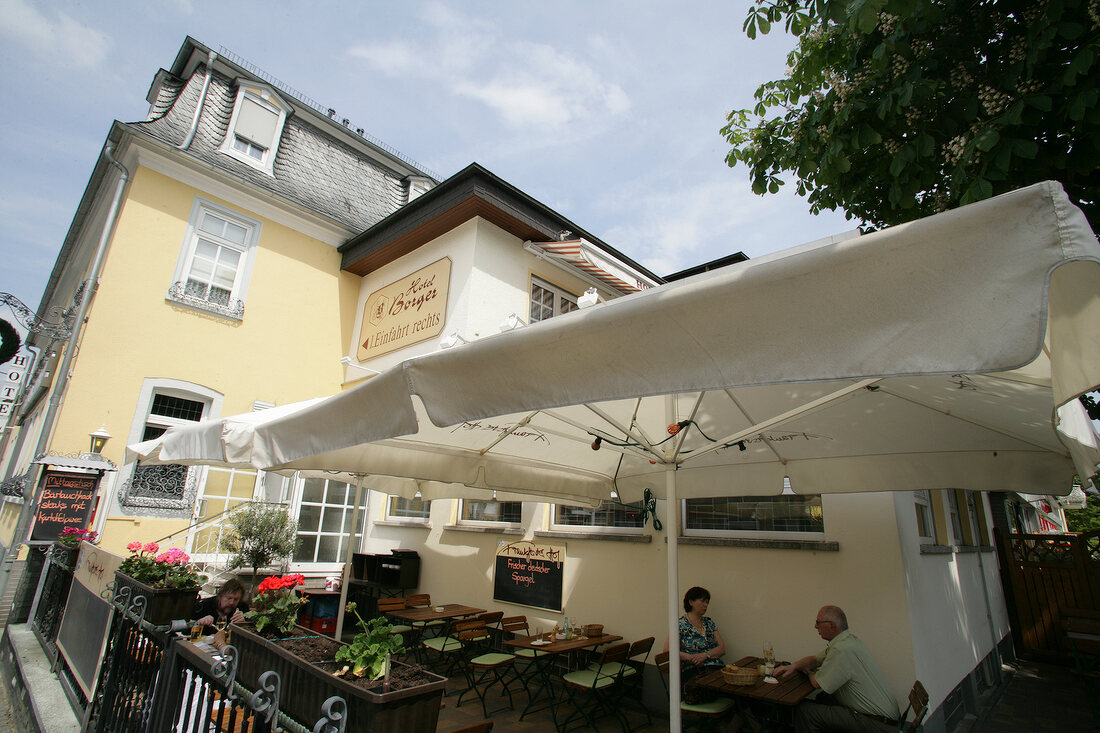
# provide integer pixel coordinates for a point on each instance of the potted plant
(68, 544)
(260, 535)
(410, 705)
(168, 580)
(369, 652)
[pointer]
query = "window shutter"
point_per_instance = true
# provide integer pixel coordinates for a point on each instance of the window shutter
(256, 123)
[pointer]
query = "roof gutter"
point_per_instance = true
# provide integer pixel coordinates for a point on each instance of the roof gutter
(198, 107)
(49, 420)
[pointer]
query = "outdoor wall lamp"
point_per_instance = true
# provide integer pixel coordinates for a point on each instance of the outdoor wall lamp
(511, 323)
(99, 439)
(589, 299)
(452, 339)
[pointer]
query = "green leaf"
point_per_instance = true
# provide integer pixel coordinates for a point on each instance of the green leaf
(1026, 148)
(868, 18)
(1041, 101)
(987, 139)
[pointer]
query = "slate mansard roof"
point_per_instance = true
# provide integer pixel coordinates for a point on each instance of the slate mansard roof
(313, 167)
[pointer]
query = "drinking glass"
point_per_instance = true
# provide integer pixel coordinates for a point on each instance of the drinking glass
(769, 658)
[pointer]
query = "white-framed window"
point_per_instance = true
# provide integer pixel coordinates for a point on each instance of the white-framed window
(255, 126)
(926, 525)
(954, 517)
(549, 300)
(215, 262)
(413, 511)
(610, 516)
(164, 403)
(763, 517)
(490, 513)
(324, 510)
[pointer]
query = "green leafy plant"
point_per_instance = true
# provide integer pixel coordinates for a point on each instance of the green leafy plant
(169, 569)
(260, 535)
(369, 649)
(896, 109)
(275, 607)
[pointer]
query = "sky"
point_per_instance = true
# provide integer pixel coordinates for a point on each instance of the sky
(607, 112)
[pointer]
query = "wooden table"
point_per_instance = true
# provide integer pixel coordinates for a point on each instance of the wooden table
(778, 699)
(542, 662)
(429, 613)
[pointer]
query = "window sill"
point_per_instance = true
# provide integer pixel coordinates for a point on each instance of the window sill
(601, 536)
(482, 530)
(177, 296)
(407, 525)
(761, 544)
(937, 550)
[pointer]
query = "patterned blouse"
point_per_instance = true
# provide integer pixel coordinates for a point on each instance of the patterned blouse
(692, 642)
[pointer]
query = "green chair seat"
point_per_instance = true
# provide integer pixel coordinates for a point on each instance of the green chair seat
(528, 653)
(443, 644)
(400, 629)
(492, 659)
(714, 707)
(587, 678)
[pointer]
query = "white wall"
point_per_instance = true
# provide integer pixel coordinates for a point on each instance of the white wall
(948, 606)
(757, 593)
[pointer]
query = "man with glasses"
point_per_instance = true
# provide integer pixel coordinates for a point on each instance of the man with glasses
(856, 697)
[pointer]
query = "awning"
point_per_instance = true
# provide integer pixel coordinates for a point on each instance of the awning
(582, 255)
(85, 461)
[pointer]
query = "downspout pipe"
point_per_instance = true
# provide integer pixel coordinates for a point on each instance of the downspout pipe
(49, 421)
(202, 100)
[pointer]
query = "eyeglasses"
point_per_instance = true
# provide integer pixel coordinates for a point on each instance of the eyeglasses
(822, 623)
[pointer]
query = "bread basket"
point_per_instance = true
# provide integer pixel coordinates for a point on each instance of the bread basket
(593, 631)
(739, 676)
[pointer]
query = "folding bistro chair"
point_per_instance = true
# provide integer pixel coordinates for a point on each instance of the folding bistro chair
(492, 621)
(447, 647)
(409, 638)
(424, 600)
(592, 691)
(482, 666)
(525, 667)
(706, 715)
(918, 705)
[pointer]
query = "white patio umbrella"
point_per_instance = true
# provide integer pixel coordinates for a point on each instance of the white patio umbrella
(945, 353)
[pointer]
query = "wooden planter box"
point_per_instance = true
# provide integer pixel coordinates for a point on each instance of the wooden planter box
(304, 689)
(162, 604)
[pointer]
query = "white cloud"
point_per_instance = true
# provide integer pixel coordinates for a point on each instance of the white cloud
(529, 86)
(59, 37)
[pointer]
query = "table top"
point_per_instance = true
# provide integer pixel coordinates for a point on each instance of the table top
(789, 691)
(558, 646)
(428, 613)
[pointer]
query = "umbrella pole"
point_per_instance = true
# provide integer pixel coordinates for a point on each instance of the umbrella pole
(673, 525)
(347, 558)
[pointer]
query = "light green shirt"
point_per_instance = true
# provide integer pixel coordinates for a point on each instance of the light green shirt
(847, 671)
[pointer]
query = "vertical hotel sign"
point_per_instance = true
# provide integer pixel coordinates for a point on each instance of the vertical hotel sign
(405, 312)
(15, 364)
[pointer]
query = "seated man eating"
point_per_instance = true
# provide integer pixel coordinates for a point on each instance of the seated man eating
(848, 673)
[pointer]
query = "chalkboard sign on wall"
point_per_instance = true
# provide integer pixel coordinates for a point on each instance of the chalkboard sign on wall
(66, 502)
(529, 575)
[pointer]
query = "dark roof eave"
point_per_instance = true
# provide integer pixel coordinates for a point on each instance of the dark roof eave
(473, 191)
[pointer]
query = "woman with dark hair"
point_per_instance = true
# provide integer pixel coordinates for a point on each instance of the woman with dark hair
(701, 645)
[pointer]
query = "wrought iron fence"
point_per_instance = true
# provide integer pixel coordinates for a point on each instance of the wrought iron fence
(49, 603)
(150, 682)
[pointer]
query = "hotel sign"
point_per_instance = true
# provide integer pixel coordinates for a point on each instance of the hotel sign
(405, 312)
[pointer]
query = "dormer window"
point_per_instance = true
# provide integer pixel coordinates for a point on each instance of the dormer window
(256, 126)
(417, 186)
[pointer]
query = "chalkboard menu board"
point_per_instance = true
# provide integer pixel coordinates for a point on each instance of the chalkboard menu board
(66, 502)
(529, 575)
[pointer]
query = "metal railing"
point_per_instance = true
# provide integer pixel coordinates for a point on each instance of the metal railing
(151, 682)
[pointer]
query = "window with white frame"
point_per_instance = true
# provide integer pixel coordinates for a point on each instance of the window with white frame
(255, 126)
(926, 527)
(955, 517)
(491, 512)
(164, 404)
(408, 510)
(609, 516)
(216, 259)
(755, 516)
(549, 300)
(325, 509)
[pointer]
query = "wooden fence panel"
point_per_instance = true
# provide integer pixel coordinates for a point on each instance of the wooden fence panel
(1044, 574)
